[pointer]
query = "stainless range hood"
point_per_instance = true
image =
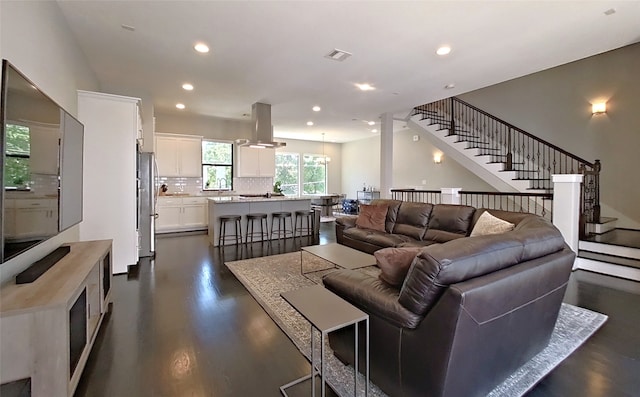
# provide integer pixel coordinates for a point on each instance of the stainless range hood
(262, 128)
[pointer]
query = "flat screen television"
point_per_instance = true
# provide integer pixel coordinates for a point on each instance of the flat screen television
(41, 171)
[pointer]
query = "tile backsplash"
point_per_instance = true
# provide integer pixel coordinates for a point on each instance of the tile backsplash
(240, 185)
(253, 185)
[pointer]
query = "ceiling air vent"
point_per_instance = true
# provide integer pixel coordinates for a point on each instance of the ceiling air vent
(338, 55)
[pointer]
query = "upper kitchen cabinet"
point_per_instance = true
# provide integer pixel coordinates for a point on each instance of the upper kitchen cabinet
(179, 155)
(43, 160)
(254, 162)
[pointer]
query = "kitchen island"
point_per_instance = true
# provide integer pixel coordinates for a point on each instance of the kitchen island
(233, 205)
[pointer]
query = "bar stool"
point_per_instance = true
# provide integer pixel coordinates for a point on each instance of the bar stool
(222, 233)
(303, 214)
(281, 217)
(250, 221)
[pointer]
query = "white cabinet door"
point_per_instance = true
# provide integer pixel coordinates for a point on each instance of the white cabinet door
(167, 156)
(179, 156)
(181, 214)
(253, 162)
(169, 218)
(267, 162)
(43, 160)
(35, 218)
(190, 157)
(249, 161)
(193, 215)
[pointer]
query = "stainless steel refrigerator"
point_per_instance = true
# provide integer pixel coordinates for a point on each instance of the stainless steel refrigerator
(147, 199)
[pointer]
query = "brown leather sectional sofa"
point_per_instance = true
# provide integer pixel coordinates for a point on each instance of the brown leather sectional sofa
(471, 310)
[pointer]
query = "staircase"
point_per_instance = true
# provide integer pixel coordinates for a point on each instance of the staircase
(513, 160)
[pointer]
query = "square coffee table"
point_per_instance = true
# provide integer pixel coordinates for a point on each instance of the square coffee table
(339, 255)
(327, 312)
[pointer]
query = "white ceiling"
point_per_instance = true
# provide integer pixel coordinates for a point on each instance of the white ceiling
(273, 52)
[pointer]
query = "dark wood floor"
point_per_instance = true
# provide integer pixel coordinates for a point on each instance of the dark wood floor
(182, 325)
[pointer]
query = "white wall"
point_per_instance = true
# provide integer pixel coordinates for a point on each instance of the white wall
(555, 105)
(412, 164)
(360, 165)
(35, 38)
(208, 127)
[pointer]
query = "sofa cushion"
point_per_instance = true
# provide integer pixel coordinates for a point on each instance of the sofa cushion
(438, 266)
(372, 217)
(413, 219)
(382, 239)
(538, 236)
(489, 224)
(449, 222)
(394, 263)
(392, 211)
(357, 233)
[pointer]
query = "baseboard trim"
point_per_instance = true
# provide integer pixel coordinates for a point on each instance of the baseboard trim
(609, 269)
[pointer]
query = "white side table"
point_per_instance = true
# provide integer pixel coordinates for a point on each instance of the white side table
(327, 312)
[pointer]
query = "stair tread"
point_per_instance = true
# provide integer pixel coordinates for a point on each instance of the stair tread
(618, 260)
(629, 238)
(604, 219)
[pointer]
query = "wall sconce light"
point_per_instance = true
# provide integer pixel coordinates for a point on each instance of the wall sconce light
(437, 158)
(599, 108)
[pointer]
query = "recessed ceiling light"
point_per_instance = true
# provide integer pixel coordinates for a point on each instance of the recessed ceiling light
(374, 130)
(444, 50)
(187, 86)
(309, 123)
(450, 86)
(201, 47)
(128, 27)
(365, 86)
(316, 108)
(371, 123)
(180, 106)
(610, 11)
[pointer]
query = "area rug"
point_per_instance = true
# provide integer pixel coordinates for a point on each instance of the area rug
(267, 277)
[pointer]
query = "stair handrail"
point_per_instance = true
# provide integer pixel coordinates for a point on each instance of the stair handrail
(559, 149)
(509, 138)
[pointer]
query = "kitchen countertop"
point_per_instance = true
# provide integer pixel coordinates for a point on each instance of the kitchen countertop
(237, 199)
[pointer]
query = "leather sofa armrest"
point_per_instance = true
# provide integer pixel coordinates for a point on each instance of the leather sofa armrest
(347, 221)
(371, 295)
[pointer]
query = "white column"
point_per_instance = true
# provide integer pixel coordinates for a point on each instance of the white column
(450, 195)
(566, 207)
(386, 155)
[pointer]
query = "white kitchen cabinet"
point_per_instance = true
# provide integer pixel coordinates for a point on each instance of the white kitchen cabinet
(109, 182)
(181, 214)
(254, 162)
(179, 155)
(43, 160)
(28, 218)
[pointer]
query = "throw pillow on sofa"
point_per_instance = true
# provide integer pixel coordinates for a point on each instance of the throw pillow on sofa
(489, 224)
(372, 217)
(394, 263)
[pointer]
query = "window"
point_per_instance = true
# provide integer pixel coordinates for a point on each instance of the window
(18, 152)
(217, 165)
(288, 173)
(314, 174)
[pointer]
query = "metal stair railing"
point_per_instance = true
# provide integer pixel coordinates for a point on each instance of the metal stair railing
(530, 157)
